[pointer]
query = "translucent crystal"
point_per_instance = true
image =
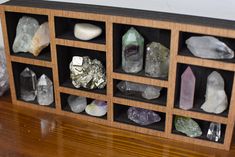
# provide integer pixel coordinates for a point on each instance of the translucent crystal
(187, 126)
(4, 83)
(28, 83)
(187, 89)
(77, 104)
(132, 51)
(142, 116)
(157, 60)
(214, 132)
(209, 47)
(45, 94)
(87, 73)
(216, 98)
(146, 91)
(97, 108)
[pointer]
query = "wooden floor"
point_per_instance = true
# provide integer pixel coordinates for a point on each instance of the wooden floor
(25, 132)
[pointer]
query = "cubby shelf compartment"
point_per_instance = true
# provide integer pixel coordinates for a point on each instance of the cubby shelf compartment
(17, 68)
(149, 34)
(12, 19)
(64, 57)
(201, 74)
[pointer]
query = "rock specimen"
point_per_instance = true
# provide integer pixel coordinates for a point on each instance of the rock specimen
(97, 108)
(40, 40)
(77, 104)
(209, 47)
(87, 73)
(132, 51)
(216, 98)
(214, 132)
(86, 31)
(28, 85)
(157, 60)
(4, 83)
(45, 94)
(187, 89)
(142, 116)
(187, 126)
(135, 89)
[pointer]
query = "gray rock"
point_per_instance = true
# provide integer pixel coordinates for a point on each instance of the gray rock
(4, 83)
(77, 104)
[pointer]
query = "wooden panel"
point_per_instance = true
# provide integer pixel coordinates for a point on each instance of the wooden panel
(31, 61)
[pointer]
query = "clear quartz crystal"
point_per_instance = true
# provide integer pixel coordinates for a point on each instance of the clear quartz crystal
(214, 132)
(28, 83)
(132, 51)
(45, 91)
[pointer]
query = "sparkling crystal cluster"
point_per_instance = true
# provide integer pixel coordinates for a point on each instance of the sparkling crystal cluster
(4, 83)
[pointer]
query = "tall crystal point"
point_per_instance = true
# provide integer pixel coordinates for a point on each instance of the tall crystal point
(214, 132)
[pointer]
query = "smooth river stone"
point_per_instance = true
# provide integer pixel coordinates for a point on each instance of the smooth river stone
(209, 47)
(187, 89)
(187, 126)
(41, 39)
(216, 98)
(4, 78)
(77, 104)
(86, 31)
(214, 132)
(97, 108)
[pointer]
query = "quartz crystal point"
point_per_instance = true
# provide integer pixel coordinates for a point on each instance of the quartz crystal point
(26, 28)
(147, 91)
(45, 94)
(77, 104)
(216, 98)
(87, 73)
(132, 51)
(97, 108)
(4, 83)
(86, 31)
(209, 47)
(214, 132)
(28, 84)
(142, 116)
(187, 126)
(187, 89)
(157, 60)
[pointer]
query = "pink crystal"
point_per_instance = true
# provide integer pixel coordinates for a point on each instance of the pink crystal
(187, 89)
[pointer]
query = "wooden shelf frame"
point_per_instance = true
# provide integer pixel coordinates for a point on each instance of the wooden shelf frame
(109, 20)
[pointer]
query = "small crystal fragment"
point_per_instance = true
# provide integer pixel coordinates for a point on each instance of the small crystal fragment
(157, 60)
(142, 116)
(97, 108)
(4, 83)
(209, 47)
(45, 94)
(216, 98)
(187, 90)
(77, 104)
(214, 132)
(28, 84)
(187, 126)
(86, 31)
(132, 51)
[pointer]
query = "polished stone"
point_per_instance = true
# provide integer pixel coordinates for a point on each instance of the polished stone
(77, 103)
(97, 108)
(86, 31)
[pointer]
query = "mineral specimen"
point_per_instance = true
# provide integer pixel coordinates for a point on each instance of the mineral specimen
(142, 116)
(77, 104)
(157, 60)
(135, 89)
(97, 108)
(214, 132)
(216, 98)
(132, 51)
(28, 84)
(209, 47)
(87, 73)
(4, 83)
(187, 126)
(86, 31)
(187, 89)
(45, 94)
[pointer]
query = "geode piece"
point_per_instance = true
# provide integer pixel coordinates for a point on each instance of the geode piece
(77, 103)
(214, 132)
(187, 126)
(142, 116)
(157, 60)
(86, 31)
(97, 108)
(87, 73)
(209, 47)
(216, 98)
(4, 83)
(135, 89)
(132, 51)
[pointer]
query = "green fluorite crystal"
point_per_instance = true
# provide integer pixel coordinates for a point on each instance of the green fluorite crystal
(187, 126)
